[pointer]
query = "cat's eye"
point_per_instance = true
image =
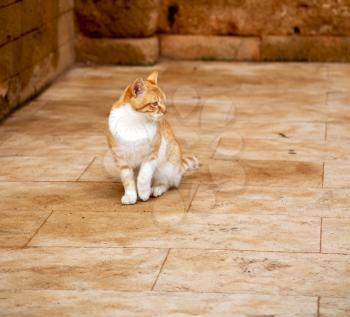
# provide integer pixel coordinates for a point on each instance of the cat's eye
(155, 104)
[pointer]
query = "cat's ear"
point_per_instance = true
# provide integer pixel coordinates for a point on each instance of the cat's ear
(153, 78)
(138, 87)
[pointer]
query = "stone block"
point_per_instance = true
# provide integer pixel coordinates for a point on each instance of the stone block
(5, 3)
(9, 56)
(65, 5)
(143, 51)
(306, 48)
(10, 18)
(9, 95)
(66, 56)
(49, 10)
(119, 18)
(255, 17)
(30, 15)
(38, 44)
(36, 77)
(65, 27)
(204, 47)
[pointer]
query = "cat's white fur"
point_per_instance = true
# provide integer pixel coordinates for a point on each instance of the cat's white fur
(135, 133)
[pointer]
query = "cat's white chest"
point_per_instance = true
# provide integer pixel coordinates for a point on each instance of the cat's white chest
(133, 132)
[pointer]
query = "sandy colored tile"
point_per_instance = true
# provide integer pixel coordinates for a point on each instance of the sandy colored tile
(48, 168)
(338, 131)
(264, 194)
(334, 307)
(304, 112)
(250, 172)
(103, 169)
(248, 129)
(18, 226)
(78, 196)
(181, 230)
(246, 77)
(80, 268)
(86, 110)
(283, 173)
(337, 174)
(235, 147)
(80, 94)
(236, 199)
(336, 235)
(38, 126)
(258, 272)
(52, 119)
(338, 104)
(25, 144)
(154, 304)
(278, 130)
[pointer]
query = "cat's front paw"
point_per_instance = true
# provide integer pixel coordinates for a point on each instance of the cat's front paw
(129, 198)
(144, 193)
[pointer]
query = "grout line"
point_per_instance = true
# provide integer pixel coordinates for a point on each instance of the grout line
(192, 198)
(323, 164)
(10, 4)
(37, 230)
(321, 232)
(181, 248)
(194, 212)
(38, 62)
(92, 161)
(185, 183)
(39, 28)
(326, 131)
(165, 291)
(318, 306)
(160, 270)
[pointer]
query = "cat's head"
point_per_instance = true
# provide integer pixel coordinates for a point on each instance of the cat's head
(146, 97)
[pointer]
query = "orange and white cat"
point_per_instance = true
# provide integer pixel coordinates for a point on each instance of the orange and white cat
(143, 144)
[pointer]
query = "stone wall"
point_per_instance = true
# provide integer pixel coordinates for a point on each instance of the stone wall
(141, 31)
(36, 45)
(37, 37)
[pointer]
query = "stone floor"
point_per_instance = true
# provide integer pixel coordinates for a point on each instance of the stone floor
(262, 229)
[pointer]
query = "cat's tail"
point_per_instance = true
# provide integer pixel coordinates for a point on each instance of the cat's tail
(189, 163)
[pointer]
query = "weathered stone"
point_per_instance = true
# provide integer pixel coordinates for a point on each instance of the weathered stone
(10, 27)
(37, 45)
(143, 51)
(306, 48)
(255, 17)
(30, 15)
(210, 47)
(9, 57)
(36, 77)
(66, 56)
(4, 3)
(65, 27)
(9, 95)
(49, 10)
(120, 18)
(65, 5)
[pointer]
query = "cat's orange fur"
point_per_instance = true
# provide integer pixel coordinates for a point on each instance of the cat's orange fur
(143, 144)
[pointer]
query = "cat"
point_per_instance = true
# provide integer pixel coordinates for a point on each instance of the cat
(143, 144)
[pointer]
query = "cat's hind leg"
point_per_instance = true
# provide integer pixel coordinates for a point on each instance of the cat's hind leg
(158, 190)
(166, 176)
